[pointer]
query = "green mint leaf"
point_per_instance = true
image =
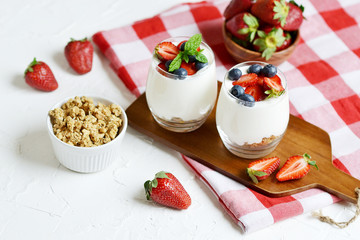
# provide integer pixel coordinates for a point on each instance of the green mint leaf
(193, 43)
(185, 58)
(201, 58)
(176, 63)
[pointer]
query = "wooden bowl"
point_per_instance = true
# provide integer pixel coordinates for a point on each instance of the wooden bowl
(241, 54)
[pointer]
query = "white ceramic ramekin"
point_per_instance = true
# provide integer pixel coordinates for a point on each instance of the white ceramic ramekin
(87, 159)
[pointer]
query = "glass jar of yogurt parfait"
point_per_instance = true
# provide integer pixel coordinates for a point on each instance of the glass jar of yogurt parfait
(253, 109)
(181, 92)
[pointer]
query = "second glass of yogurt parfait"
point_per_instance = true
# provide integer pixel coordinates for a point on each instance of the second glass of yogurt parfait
(179, 101)
(248, 128)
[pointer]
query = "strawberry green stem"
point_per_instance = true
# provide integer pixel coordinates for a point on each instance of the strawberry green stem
(30, 67)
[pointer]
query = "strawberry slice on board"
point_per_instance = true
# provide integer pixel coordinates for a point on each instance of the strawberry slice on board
(273, 86)
(247, 80)
(166, 51)
(260, 169)
(256, 91)
(295, 167)
(165, 189)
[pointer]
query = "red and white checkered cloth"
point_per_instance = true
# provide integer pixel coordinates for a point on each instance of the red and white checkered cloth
(324, 87)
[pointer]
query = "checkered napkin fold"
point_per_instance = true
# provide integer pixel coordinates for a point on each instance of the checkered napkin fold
(323, 78)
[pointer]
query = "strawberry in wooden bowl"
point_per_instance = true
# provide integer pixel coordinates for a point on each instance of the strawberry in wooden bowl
(264, 30)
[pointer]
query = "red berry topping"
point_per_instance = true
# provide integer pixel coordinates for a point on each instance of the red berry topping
(247, 80)
(166, 51)
(261, 169)
(39, 75)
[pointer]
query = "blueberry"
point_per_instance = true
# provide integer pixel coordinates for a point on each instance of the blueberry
(234, 74)
(182, 47)
(181, 73)
(269, 70)
(237, 91)
(192, 58)
(200, 65)
(255, 68)
(249, 100)
(167, 64)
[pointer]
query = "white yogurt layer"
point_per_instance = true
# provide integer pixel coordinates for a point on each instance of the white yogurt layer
(242, 124)
(187, 99)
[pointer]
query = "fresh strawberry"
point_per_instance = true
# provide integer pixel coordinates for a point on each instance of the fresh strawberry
(295, 17)
(166, 51)
(165, 189)
(39, 75)
(79, 54)
(260, 169)
(183, 48)
(243, 26)
(273, 12)
(287, 42)
(189, 67)
(268, 40)
(273, 86)
(247, 80)
(256, 91)
(295, 167)
(260, 80)
(236, 7)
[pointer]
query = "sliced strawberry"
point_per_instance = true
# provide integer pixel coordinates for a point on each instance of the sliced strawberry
(295, 167)
(261, 169)
(273, 86)
(260, 80)
(256, 91)
(189, 67)
(247, 80)
(166, 51)
(295, 17)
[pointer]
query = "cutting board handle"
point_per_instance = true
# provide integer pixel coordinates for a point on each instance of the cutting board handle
(341, 185)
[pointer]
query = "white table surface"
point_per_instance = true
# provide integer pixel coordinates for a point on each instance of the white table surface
(40, 199)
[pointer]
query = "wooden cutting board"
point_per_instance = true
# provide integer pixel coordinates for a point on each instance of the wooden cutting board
(205, 146)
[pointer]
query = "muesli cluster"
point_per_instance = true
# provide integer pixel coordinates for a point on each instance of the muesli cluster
(79, 122)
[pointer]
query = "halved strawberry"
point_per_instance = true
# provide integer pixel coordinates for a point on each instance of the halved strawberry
(247, 80)
(256, 91)
(273, 86)
(295, 167)
(166, 51)
(189, 67)
(261, 169)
